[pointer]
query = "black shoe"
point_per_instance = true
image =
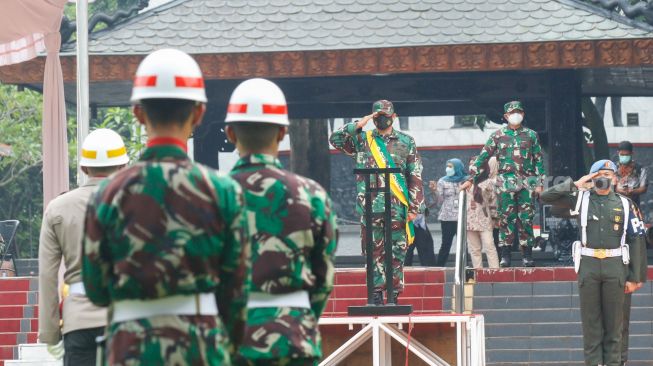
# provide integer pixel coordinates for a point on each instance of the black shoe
(394, 299)
(527, 256)
(505, 257)
(378, 298)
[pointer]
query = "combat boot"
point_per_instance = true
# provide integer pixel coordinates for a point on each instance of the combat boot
(378, 298)
(527, 256)
(394, 299)
(505, 257)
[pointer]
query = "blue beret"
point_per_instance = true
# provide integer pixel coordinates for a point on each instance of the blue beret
(604, 164)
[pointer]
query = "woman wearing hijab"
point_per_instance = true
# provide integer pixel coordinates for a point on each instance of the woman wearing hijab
(481, 212)
(447, 189)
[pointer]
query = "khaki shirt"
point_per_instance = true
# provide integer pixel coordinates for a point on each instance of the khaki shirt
(61, 236)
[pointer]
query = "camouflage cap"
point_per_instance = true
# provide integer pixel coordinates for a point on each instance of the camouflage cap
(383, 106)
(511, 106)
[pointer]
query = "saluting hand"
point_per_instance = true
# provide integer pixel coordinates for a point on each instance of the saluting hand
(584, 180)
(363, 121)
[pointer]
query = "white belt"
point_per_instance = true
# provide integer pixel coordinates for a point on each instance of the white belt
(198, 304)
(297, 299)
(601, 253)
(77, 288)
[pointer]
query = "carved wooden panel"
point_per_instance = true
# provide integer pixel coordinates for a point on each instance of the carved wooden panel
(323, 63)
(360, 61)
(397, 60)
(506, 56)
(615, 52)
(643, 52)
(251, 64)
(577, 54)
(288, 64)
(433, 58)
(468, 57)
(542, 55)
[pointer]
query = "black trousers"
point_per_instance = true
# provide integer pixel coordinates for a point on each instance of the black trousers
(449, 229)
(424, 245)
(80, 347)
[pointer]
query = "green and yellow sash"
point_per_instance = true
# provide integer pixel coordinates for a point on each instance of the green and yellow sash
(398, 185)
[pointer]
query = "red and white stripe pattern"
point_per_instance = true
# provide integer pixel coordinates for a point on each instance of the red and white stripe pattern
(274, 109)
(150, 81)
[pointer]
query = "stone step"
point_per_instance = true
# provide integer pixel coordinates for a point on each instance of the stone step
(34, 352)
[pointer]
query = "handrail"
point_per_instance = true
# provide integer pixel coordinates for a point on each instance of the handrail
(461, 254)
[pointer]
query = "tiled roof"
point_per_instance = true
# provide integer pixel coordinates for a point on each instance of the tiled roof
(231, 26)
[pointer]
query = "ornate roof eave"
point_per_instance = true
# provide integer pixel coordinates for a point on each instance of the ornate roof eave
(395, 60)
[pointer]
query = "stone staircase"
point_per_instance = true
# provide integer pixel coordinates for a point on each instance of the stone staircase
(532, 317)
(18, 315)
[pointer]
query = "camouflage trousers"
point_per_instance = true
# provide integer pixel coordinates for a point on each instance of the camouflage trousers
(168, 340)
(280, 336)
(515, 211)
(399, 247)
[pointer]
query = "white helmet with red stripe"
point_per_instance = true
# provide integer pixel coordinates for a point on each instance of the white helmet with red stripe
(258, 100)
(168, 74)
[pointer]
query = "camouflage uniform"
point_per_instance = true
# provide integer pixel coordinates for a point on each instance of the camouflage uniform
(521, 169)
(403, 149)
(162, 227)
(293, 231)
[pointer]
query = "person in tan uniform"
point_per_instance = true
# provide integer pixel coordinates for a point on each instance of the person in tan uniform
(103, 153)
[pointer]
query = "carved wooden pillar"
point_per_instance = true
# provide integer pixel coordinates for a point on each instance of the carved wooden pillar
(309, 145)
(564, 125)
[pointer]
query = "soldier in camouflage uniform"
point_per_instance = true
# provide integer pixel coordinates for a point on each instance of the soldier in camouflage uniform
(165, 242)
(351, 140)
(292, 226)
(521, 173)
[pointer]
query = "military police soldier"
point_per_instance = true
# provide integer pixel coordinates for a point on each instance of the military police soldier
(381, 147)
(609, 258)
(103, 153)
(165, 243)
(293, 232)
(521, 173)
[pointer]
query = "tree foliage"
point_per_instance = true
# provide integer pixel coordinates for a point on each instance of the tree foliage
(21, 173)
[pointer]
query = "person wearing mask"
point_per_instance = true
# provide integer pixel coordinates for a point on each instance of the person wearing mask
(481, 211)
(632, 178)
(103, 153)
(632, 182)
(610, 258)
(520, 177)
(292, 229)
(446, 193)
(383, 147)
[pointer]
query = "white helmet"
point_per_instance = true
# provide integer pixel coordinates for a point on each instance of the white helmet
(170, 74)
(258, 100)
(103, 147)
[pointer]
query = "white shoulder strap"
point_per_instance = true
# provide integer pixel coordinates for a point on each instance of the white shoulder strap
(626, 204)
(585, 202)
(579, 199)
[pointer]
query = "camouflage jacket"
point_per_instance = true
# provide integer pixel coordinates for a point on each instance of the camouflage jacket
(166, 226)
(292, 227)
(402, 147)
(519, 158)
(293, 230)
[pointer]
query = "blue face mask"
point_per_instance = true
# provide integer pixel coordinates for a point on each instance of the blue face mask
(624, 159)
(450, 171)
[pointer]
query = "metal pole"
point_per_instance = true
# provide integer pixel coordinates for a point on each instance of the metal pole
(82, 81)
(369, 246)
(387, 240)
(461, 253)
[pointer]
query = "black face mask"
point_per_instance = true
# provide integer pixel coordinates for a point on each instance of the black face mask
(602, 183)
(382, 121)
